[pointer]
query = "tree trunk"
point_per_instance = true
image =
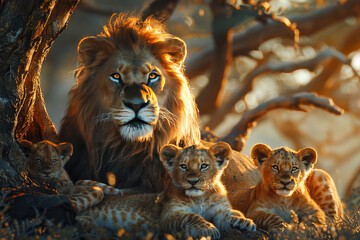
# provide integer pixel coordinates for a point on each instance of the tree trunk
(27, 31)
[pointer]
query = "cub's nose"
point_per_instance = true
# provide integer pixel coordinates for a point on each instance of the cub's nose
(285, 182)
(193, 181)
(47, 171)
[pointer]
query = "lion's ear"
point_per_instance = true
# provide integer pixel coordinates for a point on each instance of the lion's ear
(308, 157)
(176, 49)
(92, 48)
(66, 150)
(167, 155)
(221, 152)
(260, 153)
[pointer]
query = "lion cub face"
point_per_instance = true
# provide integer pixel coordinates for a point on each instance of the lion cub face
(47, 159)
(193, 169)
(283, 169)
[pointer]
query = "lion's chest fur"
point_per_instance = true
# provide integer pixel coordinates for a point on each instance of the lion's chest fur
(204, 206)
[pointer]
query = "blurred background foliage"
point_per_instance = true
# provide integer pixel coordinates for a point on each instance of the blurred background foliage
(326, 61)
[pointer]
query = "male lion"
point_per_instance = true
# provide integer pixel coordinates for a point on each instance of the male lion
(131, 98)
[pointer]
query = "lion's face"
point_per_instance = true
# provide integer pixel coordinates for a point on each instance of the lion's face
(194, 170)
(132, 88)
(283, 169)
(138, 78)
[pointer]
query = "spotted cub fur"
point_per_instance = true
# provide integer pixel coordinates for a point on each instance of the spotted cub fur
(281, 194)
(195, 200)
(46, 161)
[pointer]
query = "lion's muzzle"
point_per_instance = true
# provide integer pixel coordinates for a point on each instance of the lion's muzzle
(138, 113)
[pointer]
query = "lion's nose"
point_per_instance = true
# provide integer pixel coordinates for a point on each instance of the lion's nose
(285, 182)
(136, 106)
(193, 181)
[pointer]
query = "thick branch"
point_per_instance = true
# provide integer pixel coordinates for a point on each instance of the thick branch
(160, 9)
(218, 116)
(238, 135)
(251, 38)
(211, 96)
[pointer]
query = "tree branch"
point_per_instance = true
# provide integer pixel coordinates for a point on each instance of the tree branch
(211, 96)
(238, 135)
(160, 9)
(251, 38)
(219, 115)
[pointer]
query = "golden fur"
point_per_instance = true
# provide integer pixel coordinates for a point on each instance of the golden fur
(130, 99)
(281, 193)
(194, 201)
(46, 160)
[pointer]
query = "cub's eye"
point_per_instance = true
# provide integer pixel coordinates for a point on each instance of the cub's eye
(294, 169)
(153, 77)
(183, 167)
(204, 166)
(116, 78)
(54, 161)
(38, 161)
(275, 168)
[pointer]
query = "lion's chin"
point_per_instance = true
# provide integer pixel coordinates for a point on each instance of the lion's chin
(192, 192)
(133, 133)
(284, 192)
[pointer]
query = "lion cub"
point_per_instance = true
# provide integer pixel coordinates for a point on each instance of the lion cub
(195, 200)
(281, 192)
(46, 162)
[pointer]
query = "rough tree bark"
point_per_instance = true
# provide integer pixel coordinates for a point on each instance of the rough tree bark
(27, 31)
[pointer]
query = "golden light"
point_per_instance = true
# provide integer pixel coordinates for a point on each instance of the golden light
(111, 178)
(121, 232)
(201, 12)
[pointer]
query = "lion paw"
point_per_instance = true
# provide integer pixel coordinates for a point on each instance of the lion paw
(63, 183)
(243, 224)
(208, 231)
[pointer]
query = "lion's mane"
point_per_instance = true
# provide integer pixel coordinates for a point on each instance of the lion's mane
(98, 146)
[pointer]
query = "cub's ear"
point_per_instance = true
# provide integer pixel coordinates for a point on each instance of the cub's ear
(308, 157)
(222, 153)
(167, 155)
(93, 48)
(66, 150)
(260, 153)
(27, 146)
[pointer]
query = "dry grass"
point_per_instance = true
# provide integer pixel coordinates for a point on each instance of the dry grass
(40, 228)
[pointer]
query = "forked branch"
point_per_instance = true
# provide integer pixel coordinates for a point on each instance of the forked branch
(238, 135)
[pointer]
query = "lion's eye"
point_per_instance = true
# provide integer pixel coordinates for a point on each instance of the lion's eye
(38, 161)
(54, 161)
(116, 78)
(204, 166)
(183, 167)
(153, 77)
(294, 169)
(275, 168)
